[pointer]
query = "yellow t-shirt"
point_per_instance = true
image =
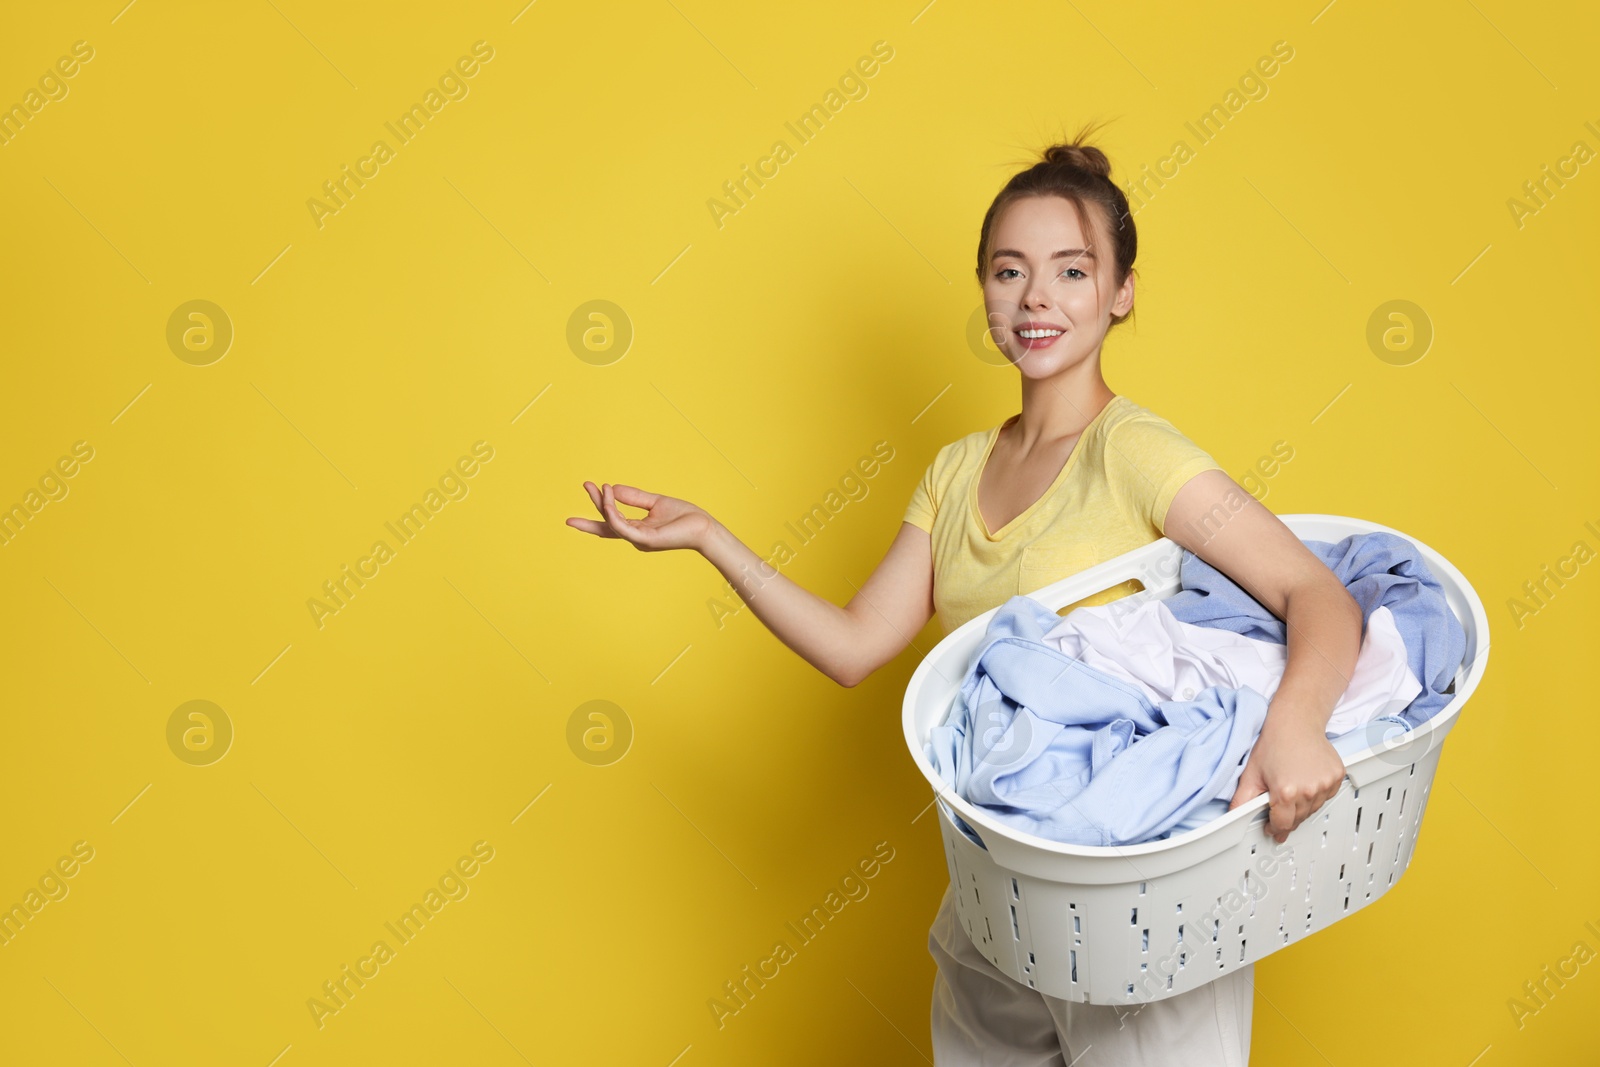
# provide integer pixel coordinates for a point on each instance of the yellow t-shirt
(1111, 497)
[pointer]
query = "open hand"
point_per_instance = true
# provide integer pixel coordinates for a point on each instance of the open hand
(1300, 769)
(669, 522)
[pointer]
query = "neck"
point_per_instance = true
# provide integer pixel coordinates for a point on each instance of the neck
(1060, 406)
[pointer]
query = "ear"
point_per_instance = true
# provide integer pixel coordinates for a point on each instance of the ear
(1124, 298)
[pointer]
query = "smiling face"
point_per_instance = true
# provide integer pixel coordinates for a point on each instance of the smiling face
(1045, 272)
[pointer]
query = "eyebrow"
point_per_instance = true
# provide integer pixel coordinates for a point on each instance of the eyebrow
(1065, 253)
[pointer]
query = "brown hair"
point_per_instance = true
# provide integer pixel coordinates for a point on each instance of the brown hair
(1080, 174)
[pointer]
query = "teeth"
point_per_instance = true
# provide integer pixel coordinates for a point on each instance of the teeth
(1033, 334)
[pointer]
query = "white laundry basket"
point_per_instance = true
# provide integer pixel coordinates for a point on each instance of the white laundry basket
(1139, 923)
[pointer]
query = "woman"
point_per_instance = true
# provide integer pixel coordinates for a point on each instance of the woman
(1080, 475)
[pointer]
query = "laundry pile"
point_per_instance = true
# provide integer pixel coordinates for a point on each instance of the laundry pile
(1132, 721)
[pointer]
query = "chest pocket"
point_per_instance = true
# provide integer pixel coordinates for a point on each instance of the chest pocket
(1044, 564)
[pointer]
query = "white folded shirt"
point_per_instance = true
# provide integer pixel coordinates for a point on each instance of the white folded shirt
(1147, 646)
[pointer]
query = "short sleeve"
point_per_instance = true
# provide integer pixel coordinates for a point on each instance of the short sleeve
(920, 511)
(1149, 460)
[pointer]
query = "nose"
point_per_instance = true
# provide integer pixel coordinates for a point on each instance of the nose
(1035, 294)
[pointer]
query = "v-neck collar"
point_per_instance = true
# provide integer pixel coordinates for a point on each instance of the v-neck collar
(1061, 475)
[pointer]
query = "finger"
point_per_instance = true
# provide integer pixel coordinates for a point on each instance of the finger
(597, 496)
(593, 526)
(601, 529)
(1282, 818)
(635, 497)
(1249, 788)
(620, 523)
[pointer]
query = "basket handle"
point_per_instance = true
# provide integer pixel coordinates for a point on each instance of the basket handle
(1155, 565)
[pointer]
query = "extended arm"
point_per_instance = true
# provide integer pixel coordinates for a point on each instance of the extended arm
(845, 643)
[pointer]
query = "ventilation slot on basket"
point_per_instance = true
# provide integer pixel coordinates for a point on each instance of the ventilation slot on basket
(1141, 888)
(988, 928)
(1135, 920)
(1241, 950)
(1015, 933)
(1358, 818)
(1370, 846)
(1402, 810)
(1077, 924)
(1144, 942)
(1379, 825)
(1072, 957)
(1015, 894)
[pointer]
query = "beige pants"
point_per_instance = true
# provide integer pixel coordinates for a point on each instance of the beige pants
(984, 1018)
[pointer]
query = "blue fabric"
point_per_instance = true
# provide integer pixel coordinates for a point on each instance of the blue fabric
(1066, 752)
(1378, 569)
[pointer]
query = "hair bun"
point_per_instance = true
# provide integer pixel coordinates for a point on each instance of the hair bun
(1081, 156)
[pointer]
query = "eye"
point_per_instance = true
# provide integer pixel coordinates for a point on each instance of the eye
(1080, 273)
(1001, 273)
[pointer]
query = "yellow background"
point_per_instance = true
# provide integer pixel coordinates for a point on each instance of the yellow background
(769, 355)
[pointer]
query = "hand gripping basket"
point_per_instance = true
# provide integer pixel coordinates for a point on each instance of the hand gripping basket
(1139, 923)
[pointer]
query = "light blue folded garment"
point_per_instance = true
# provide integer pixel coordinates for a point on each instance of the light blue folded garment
(1069, 753)
(1378, 569)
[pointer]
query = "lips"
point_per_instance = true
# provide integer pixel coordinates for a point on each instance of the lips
(1033, 335)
